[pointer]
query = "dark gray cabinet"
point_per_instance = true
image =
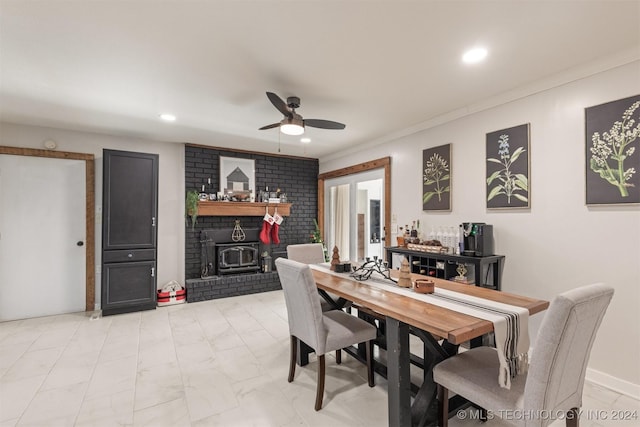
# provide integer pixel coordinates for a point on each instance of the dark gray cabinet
(487, 270)
(129, 231)
(129, 286)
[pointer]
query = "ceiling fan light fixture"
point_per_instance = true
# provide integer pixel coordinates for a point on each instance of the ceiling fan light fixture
(293, 123)
(292, 126)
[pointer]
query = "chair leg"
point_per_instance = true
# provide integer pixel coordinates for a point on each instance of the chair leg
(370, 363)
(338, 356)
(294, 355)
(572, 418)
(320, 386)
(443, 406)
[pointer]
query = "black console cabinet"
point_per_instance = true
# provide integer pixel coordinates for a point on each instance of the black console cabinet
(487, 270)
(129, 231)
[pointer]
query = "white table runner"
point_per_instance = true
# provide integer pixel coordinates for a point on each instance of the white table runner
(510, 323)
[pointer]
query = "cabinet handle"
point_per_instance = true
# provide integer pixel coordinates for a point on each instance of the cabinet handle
(153, 272)
(153, 221)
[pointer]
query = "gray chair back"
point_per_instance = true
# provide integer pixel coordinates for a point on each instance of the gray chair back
(561, 353)
(307, 253)
(303, 305)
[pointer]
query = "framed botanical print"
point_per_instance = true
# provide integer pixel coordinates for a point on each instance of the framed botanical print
(237, 178)
(436, 178)
(507, 178)
(612, 158)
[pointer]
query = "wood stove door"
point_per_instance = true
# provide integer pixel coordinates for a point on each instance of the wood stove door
(248, 256)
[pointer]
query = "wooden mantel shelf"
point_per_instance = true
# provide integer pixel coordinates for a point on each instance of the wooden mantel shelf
(242, 208)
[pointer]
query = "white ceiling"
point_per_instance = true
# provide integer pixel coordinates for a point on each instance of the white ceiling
(380, 67)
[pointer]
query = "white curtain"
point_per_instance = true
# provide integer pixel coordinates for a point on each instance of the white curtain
(340, 204)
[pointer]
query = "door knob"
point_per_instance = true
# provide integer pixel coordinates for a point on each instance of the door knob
(80, 243)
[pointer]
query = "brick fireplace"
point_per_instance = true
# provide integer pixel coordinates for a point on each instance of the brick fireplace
(229, 267)
(296, 176)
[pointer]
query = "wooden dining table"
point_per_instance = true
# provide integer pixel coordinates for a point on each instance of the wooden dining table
(440, 329)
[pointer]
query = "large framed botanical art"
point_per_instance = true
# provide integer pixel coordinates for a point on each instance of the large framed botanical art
(237, 178)
(436, 178)
(612, 157)
(507, 180)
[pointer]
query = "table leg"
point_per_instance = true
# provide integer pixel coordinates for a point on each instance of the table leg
(398, 375)
(302, 356)
(337, 305)
(424, 409)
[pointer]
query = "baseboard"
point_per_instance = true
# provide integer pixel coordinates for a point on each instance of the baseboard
(616, 384)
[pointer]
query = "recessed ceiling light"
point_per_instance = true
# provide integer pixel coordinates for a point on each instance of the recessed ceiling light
(50, 144)
(474, 55)
(168, 117)
(305, 140)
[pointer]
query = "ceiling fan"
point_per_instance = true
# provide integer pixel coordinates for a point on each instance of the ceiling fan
(293, 123)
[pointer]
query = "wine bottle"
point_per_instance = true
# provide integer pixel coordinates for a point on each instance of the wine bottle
(203, 194)
(212, 194)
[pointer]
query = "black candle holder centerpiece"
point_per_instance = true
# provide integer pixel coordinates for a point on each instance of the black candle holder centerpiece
(371, 266)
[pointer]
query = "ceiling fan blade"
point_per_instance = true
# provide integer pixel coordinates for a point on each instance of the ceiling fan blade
(279, 104)
(323, 124)
(271, 126)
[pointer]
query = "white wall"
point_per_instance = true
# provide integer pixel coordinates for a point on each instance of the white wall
(171, 186)
(559, 243)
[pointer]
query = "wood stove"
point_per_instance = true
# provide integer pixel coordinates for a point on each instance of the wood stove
(238, 257)
(220, 255)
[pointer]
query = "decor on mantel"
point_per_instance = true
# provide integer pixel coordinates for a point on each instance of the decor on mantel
(612, 157)
(507, 180)
(237, 179)
(436, 178)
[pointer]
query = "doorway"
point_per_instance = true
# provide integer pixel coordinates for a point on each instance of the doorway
(354, 209)
(46, 233)
(353, 216)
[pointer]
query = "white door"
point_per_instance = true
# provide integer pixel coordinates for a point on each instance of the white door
(42, 236)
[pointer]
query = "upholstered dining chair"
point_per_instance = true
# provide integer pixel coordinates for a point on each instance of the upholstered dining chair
(306, 253)
(323, 332)
(310, 253)
(556, 373)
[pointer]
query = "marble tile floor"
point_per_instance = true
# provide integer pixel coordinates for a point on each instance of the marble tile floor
(214, 363)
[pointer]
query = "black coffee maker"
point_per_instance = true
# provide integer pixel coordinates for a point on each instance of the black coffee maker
(477, 239)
